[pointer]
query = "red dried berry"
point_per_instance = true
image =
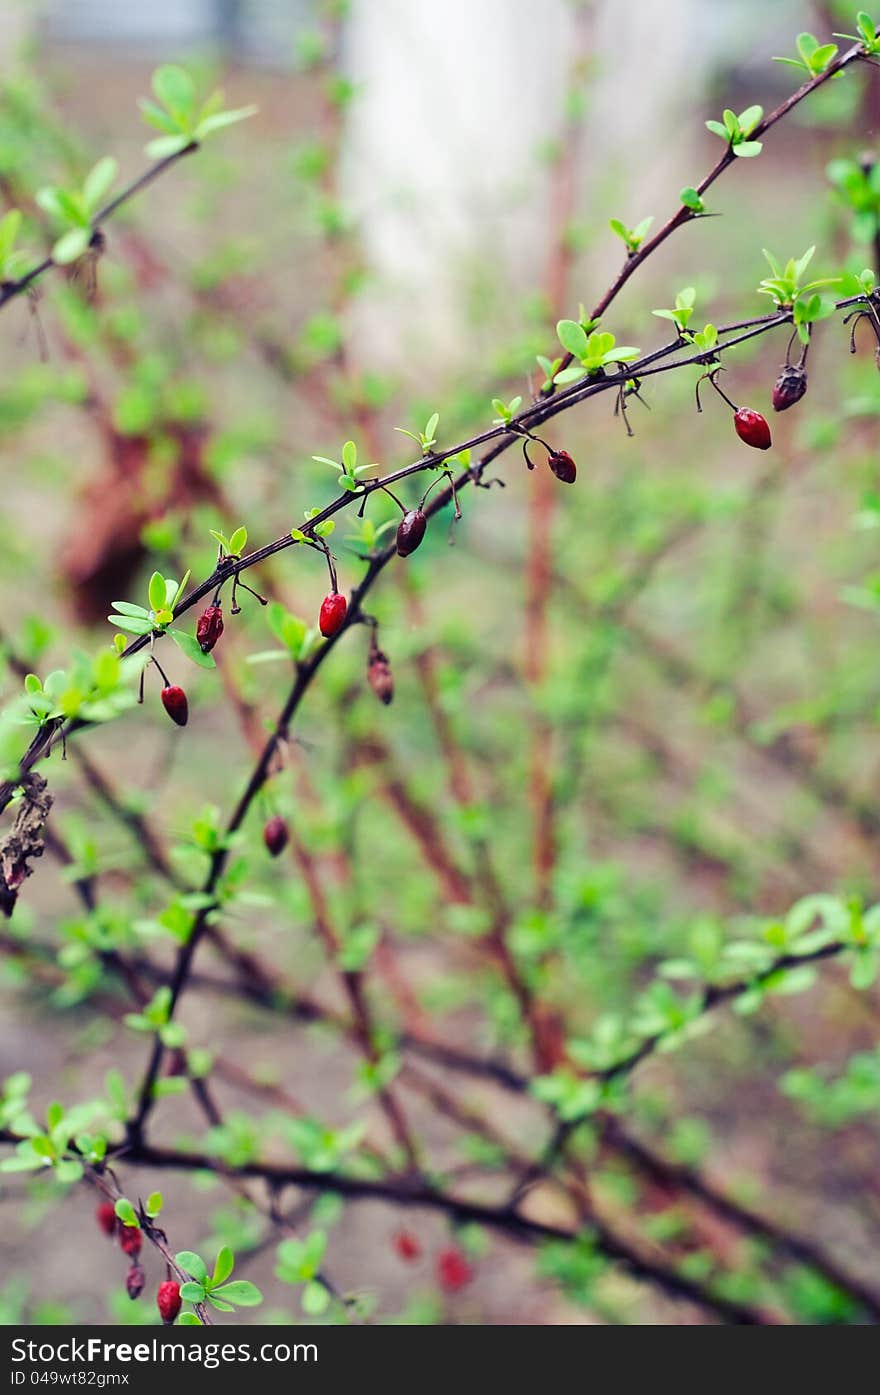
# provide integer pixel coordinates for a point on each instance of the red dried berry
(790, 387)
(168, 1301)
(752, 428)
(380, 677)
(106, 1217)
(453, 1270)
(333, 611)
(175, 704)
(130, 1240)
(135, 1280)
(407, 1246)
(410, 532)
(563, 466)
(275, 835)
(209, 628)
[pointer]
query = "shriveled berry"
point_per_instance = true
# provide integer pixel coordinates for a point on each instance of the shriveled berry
(453, 1270)
(752, 428)
(130, 1240)
(276, 834)
(209, 628)
(175, 704)
(563, 466)
(332, 616)
(380, 677)
(410, 532)
(135, 1280)
(790, 387)
(105, 1215)
(406, 1245)
(168, 1301)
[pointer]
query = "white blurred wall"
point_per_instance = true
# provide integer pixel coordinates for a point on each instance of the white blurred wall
(442, 162)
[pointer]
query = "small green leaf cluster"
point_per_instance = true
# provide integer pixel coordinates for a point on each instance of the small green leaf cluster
(297, 638)
(868, 35)
(506, 411)
(785, 288)
(321, 1148)
(735, 130)
(73, 211)
(179, 115)
(154, 1018)
(216, 1288)
(232, 547)
(299, 1262)
(680, 315)
(692, 199)
(835, 1101)
(813, 58)
(632, 238)
(163, 594)
(51, 1147)
(350, 472)
(426, 440)
(94, 689)
(595, 351)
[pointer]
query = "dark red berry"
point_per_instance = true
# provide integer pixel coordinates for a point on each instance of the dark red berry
(406, 1245)
(209, 628)
(135, 1280)
(380, 677)
(106, 1217)
(563, 466)
(168, 1301)
(332, 617)
(453, 1270)
(130, 1240)
(752, 428)
(175, 704)
(790, 387)
(410, 532)
(275, 835)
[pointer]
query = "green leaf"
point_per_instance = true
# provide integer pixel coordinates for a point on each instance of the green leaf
(125, 1211)
(747, 149)
(156, 591)
(223, 1265)
(154, 1204)
(175, 89)
(129, 608)
(315, 1299)
(10, 226)
(98, 182)
(189, 645)
(193, 1264)
(131, 626)
(71, 246)
(238, 541)
(349, 457)
(572, 337)
(750, 118)
(241, 1292)
(569, 375)
(193, 1293)
(159, 118)
(691, 199)
(166, 145)
(218, 119)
